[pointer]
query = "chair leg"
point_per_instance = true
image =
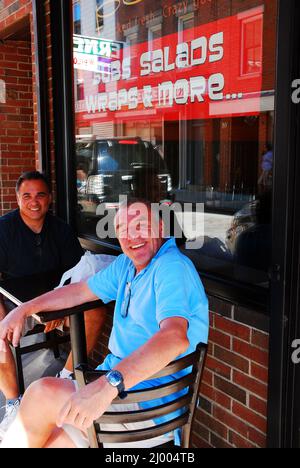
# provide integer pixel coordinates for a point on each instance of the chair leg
(20, 374)
(52, 336)
(185, 436)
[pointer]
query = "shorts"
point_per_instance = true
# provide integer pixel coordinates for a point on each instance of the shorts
(81, 441)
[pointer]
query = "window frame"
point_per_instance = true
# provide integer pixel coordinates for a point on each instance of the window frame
(245, 22)
(242, 294)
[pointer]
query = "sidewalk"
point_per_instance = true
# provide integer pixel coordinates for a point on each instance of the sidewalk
(38, 364)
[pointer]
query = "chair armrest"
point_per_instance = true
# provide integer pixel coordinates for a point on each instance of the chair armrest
(45, 317)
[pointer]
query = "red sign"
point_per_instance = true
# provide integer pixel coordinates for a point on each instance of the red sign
(196, 74)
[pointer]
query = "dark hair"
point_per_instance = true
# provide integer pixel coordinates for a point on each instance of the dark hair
(82, 167)
(269, 146)
(32, 175)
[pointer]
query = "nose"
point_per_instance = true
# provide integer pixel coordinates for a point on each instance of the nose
(137, 231)
(34, 203)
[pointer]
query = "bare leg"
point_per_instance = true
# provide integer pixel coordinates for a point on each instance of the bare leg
(8, 376)
(8, 373)
(94, 321)
(59, 439)
(36, 419)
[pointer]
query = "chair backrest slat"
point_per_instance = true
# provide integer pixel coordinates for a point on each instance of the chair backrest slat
(144, 415)
(186, 403)
(142, 434)
(161, 391)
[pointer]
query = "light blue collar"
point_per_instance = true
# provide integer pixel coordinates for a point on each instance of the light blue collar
(170, 243)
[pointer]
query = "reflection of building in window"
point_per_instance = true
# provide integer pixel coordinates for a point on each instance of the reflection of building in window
(131, 36)
(99, 14)
(252, 40)
(184, 23)
(77, 17)
(80, 89)
(154, 32)
(2, 92)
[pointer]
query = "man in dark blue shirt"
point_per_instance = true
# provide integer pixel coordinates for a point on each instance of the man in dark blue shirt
(32, 241)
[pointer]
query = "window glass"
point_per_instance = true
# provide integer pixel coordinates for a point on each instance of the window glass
(175, 103)
(77, 17)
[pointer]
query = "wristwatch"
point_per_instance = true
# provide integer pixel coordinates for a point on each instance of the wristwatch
(115, 379)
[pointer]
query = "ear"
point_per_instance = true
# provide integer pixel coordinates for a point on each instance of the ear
(18, 198)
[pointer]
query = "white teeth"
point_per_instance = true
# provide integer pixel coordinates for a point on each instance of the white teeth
(137, 246)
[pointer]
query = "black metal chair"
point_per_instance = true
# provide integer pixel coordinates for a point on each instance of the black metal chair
(186, 403)
(51, 340)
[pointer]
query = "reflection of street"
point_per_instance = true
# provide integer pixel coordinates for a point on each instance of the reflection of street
(204, 227)
(216, 225)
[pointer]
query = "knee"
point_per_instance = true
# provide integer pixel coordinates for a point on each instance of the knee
(43, 389)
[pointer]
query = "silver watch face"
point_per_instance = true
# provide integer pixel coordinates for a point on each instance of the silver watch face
(114, 378)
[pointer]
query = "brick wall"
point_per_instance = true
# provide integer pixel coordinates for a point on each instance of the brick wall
(12, 11)
(233, 404)
(12, 15)
(16, 119)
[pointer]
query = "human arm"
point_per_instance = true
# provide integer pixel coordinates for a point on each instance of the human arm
(89, 403)
(3, 310)
(63, 298)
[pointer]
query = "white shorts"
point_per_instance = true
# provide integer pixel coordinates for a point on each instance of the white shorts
(81, 441)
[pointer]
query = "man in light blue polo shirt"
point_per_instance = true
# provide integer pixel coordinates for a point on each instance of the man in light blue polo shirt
(161, 314)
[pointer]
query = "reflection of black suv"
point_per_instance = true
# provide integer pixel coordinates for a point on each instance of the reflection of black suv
(108, 168)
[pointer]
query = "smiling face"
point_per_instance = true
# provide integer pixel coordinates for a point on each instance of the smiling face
(34, 200)
(140, 234)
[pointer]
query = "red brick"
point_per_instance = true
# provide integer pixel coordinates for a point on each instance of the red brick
(258, 405)
(216, 396)
(260, 339)
(232, 359)
(251, 352)
(233, 391)
(10, 65)
(232, 328)
(25, 66)
(231, 421)
(249, 416)
(253, 385)
(218, 367)
(207, 377)
(257, 437)
(197, 442)
(259, 372)
(201, 431)
(217, 442)
(220, 338)
(211, 423)
(239, 442)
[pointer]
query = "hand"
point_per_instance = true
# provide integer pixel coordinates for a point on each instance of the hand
(87, 405)
(11, 327)
(53, 325)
